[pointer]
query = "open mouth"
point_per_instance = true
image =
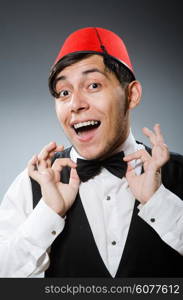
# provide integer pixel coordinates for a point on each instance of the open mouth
(84, 127)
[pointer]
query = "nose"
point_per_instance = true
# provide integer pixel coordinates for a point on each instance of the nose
(78, 102)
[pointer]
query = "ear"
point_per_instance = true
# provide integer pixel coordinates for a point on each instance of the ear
(134, 94)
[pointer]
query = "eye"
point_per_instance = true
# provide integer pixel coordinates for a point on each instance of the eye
(64, 93)
(94, 85)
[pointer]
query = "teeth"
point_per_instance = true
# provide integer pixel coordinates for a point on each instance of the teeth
(79, 125)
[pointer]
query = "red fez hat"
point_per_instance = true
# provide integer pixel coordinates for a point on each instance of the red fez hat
(93, 40)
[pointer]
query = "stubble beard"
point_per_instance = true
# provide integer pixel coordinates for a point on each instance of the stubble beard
(121, 133)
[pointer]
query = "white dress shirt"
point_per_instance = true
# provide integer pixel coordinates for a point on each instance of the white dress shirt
(26, 234)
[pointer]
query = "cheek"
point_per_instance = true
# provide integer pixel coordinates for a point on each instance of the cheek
(116, 110)
(117, 116)
(115, 101)
(61, 116)
(60, 112)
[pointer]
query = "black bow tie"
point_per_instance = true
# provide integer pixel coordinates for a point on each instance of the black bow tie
(88, 169)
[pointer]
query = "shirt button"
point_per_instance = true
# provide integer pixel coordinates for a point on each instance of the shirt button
(152, 220)
(114, 243)
(108, 198)
(53, 232)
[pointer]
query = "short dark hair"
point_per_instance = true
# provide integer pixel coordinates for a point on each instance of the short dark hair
(123, 74)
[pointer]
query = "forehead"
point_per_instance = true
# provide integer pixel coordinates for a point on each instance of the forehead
(92, 62)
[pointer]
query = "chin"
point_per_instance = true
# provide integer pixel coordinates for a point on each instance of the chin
(88, 152)
(91, 153)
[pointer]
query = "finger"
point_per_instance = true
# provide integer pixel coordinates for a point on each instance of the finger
(140, 154)
(52, 154)
(150, 134)
(155, 137)
(59, 163)
(46, 150)
(56, 167)
(32, 168)
(159, 136)
(57, 149)
(48, 162)
(74, 180)
(57, 175)
(47, 156)
(130, 173)
(42, 165)
(32, 163)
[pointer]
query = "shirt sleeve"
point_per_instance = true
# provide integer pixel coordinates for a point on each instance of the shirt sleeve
(26, 234)
(164, 213)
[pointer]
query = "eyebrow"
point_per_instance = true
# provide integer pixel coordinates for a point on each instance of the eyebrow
(83, 73)
(93, 71)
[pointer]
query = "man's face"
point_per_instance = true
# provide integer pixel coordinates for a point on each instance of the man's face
(91, 107)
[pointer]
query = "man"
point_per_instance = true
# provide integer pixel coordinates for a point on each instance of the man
(108, 206)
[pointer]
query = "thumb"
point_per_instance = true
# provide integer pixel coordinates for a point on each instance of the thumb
(32, 168)
(130, 173)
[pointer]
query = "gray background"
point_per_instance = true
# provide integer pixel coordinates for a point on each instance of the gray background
(31, 33)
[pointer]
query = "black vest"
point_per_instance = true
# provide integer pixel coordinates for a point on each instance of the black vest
(75, 254)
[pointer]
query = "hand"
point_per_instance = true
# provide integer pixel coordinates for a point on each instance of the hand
(145, 185)
(57, 195)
